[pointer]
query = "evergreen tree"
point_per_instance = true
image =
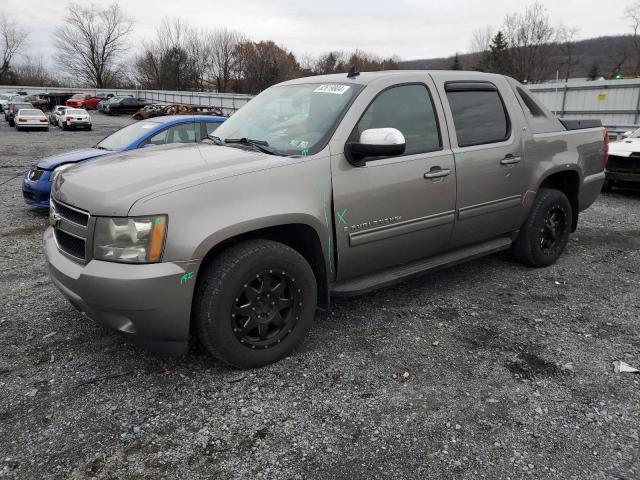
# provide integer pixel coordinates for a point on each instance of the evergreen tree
(594, 72)
(496, 59)
(456, 65)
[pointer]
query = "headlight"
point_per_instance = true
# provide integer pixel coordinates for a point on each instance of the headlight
(130, 240)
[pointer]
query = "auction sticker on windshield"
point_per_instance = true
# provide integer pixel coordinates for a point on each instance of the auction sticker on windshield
(335, 88)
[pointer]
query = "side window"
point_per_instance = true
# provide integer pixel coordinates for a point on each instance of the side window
(479, 116)
(159, 138)
(185, 133)
(408, 108)
(211, 127)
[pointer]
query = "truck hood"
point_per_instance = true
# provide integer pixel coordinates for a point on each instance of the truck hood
(625, 147)
(73, 156)
(111, 185)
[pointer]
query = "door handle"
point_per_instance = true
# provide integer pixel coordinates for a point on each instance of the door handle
(440, 172)
(509, 159)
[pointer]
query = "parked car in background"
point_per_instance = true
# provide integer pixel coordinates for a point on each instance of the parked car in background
(151, 111)
(36, 183)
(109, 98)
(13, 108)
(124, 105)
(83, 100)
(55, 113)
(623, 166)
(380, 177)
(36, 100)
(74, 118)
(5, 99)
(26, 118)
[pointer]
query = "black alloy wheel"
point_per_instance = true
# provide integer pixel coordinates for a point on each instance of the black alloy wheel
(266, 309)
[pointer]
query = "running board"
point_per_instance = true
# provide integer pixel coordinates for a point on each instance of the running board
(373, 281)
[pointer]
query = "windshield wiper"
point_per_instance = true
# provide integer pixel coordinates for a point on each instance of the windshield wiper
(259, 145)
(101, 148)
(214, 139)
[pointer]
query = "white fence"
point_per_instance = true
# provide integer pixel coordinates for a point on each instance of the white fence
(228, 102)
(615, 102)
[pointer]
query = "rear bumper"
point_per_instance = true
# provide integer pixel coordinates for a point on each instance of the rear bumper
(145, 302)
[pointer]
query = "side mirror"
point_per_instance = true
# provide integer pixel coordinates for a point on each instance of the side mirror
(375, 142)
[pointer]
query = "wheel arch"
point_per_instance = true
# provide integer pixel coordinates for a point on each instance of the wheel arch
(302, 237)
(568, 182)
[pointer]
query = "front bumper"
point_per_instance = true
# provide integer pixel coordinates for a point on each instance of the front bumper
(145, 302)
(623, 176)
(36, 192)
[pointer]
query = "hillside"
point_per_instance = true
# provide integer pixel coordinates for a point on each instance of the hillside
(607, 52)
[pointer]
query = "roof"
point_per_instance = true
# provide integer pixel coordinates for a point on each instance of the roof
(366, 78)
(184, 118)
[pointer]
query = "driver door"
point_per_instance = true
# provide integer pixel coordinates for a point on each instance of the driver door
(396, 209)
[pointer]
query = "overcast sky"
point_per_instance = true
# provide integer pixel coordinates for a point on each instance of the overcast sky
(409, 28)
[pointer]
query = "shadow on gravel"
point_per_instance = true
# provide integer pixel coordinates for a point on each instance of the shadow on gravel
(530, 366)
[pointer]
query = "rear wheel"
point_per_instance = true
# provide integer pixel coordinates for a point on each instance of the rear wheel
(545, 234)
(254, 303)
(607, 186)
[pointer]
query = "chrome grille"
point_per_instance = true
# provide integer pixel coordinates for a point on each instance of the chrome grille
(71, 229)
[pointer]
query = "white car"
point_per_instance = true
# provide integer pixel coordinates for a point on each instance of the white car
(31, 118)
(54, 115)
(74, 118)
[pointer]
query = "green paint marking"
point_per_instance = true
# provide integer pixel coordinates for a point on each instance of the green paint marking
(341, 215)
(159, 221)
(186, 277)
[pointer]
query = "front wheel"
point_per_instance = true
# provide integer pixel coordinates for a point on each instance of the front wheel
(545, 234)
(254, 303)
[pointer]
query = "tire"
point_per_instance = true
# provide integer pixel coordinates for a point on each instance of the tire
(64, 126)
(88, 128)
(607, 186)
(545, 234)
(229, 293)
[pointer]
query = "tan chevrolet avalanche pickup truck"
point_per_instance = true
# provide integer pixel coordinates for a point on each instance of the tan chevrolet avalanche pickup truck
(320, 186)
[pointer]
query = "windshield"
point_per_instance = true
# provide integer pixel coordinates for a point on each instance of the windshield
(127, 135)
(294, 119)
(79, 95)
(30, 112)
(76, 111)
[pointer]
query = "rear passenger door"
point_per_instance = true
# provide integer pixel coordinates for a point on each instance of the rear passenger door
(486, 138)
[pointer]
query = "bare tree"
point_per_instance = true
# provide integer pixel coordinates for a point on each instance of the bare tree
(529, 37)
(481, 39)
(223, 44)
(567, 45)
(632, 13)
(12, 38)
(92, 42)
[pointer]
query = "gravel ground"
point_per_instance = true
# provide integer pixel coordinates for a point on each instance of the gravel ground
(487, 370)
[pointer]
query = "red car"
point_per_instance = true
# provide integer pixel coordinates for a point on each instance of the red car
(83, 100)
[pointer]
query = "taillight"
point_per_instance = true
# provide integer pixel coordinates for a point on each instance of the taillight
(44, 120)
(22, 119)
(606, 147)
(69, 118)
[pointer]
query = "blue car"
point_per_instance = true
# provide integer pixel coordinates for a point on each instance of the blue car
(36, 183)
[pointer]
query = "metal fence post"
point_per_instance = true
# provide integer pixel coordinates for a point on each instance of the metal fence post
(564, 99)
